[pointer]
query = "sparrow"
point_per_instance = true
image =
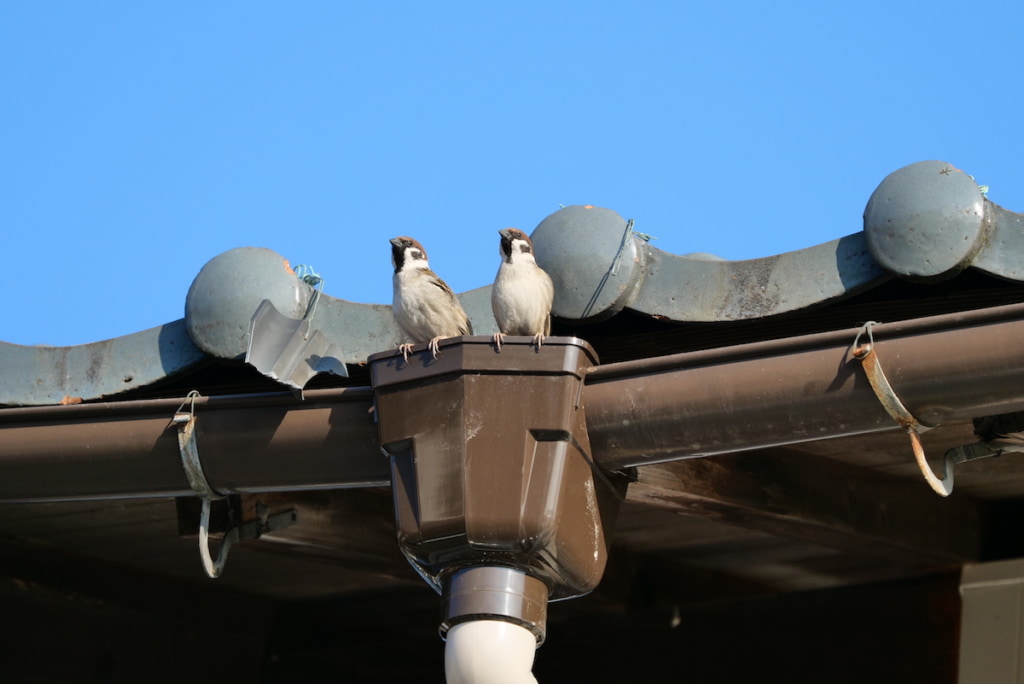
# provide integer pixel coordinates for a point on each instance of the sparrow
(522, 293)
(425, 308)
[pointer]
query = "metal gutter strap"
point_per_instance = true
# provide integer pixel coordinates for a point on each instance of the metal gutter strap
(891, 402)
(254, 529)
(894, 407)
(947, 368)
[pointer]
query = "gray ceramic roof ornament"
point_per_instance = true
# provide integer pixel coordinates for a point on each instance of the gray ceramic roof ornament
(70, 375)
(231, 286)
(600, 267)
(248, 303)
(928, 221)
(925, 222)
(227, 291)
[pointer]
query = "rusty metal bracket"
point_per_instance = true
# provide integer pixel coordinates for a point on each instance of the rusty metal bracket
(890, 401)
(185, 421)
(894, 407)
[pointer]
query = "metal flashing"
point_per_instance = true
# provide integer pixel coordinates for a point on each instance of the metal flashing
(289, 350)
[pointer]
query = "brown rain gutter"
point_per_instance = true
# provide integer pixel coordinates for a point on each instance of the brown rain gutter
(944, 368)
(246, 443)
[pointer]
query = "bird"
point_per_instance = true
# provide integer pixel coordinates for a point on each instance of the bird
(522, 294)
(424, 307)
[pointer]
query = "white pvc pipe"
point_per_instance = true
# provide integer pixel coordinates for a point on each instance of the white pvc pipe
(489, 652)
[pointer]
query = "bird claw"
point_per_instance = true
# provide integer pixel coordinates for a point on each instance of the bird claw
(499, 337)
(406, 349)
(433, 346)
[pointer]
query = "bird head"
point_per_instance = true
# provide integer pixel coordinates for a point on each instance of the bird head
(513, 243)
(407, 252)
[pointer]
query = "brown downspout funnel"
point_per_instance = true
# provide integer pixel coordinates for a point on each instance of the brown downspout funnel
(497, 502)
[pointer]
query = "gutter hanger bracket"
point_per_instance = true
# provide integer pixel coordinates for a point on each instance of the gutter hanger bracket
(185, 421)
(894, 407)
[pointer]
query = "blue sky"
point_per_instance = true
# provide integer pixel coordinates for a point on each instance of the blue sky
(140, 139)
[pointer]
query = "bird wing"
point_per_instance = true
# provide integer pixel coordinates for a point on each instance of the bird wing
(465, 326)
